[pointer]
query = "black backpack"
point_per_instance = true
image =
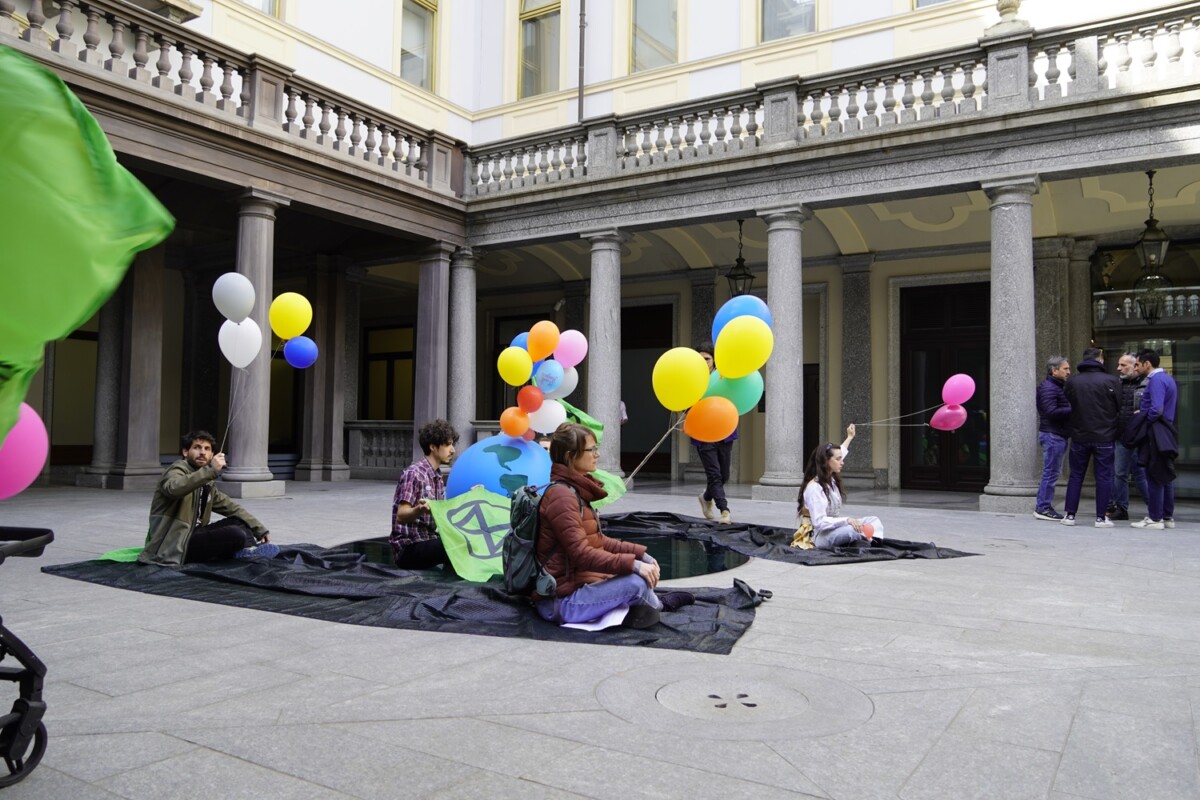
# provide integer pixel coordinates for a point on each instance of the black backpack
(523, 572)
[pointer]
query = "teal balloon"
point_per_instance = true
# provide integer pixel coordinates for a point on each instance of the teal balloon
(501, 463)
(743, 392)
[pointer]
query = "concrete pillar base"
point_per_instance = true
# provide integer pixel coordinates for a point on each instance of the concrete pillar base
(321, 472)
(1008, 504)
(253, 488)
(779, 493)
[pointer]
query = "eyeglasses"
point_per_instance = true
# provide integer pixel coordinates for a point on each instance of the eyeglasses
(595, 450)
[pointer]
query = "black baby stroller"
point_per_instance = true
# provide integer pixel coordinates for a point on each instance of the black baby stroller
(22, 734)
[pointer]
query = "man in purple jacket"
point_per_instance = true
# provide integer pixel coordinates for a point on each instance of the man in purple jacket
(1160, 448)
(1054, 411)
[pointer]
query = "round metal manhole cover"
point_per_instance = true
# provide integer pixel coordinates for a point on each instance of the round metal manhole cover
(739, 701)
(748, 701)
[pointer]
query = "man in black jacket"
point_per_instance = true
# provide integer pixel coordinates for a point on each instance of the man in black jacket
(1054, 412)
(1095, 398)
(1125, 458)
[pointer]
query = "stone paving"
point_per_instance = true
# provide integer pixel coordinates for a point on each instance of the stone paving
(1062, 663)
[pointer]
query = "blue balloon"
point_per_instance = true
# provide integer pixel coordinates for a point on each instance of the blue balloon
(501, 463)
(740, 306)
(521, 340)
(548, 376)
(300, 352)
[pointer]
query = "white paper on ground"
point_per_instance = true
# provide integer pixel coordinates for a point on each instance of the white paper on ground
(609, 620)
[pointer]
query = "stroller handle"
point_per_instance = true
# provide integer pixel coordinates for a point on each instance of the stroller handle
(28, 542)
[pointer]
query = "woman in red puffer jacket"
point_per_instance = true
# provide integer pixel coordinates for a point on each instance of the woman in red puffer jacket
(595, 573)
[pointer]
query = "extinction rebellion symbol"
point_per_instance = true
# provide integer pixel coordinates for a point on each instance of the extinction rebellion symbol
(483, 525)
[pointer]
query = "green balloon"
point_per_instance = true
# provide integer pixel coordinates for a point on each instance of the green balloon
(743, 392)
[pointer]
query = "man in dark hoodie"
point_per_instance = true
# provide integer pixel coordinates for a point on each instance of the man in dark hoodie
(1095, 398)
(1054, 412)
(1132, 385)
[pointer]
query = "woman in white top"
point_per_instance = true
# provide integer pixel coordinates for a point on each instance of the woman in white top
(822, 496)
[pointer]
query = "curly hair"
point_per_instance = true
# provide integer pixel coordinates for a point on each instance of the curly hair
(568, 441)
(435, 434)
(818, 469)
(194, 436)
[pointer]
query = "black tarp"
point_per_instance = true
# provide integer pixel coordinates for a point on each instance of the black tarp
(763, 541)
(339, 586)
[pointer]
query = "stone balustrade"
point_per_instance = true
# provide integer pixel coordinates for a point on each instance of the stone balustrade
(378, 449)
(155, 55)
(1117, 308)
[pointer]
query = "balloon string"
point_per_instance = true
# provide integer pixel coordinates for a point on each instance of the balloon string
(902, 416)
(674, 427)
(233, 384)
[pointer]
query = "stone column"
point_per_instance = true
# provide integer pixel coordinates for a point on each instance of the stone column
(352, 331)
(321, 454)
(704, 290)
(247, 474)
(859, 472)
(137, 464)
(108, 395)
(576, 294)
(1051, 323)
(1013, 482)
(604, 343)
(463, 343)
(784, 373)
(431, 367)
(1079, 290)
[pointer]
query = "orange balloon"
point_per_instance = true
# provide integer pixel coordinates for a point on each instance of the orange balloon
(711, 419)
(514, 421)
(543, 338)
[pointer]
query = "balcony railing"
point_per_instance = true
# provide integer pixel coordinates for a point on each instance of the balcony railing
(148, 53)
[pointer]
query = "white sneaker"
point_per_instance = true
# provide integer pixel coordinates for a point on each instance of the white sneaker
(1069, 519)
(1105, 523)
(706, 507)
(1149, 524)
(1169, 523)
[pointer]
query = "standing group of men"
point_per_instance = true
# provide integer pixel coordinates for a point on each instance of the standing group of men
(1123, 426)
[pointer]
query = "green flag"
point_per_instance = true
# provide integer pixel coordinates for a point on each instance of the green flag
(71, 220)
(581, 417)
(472, 527)
(612, 484)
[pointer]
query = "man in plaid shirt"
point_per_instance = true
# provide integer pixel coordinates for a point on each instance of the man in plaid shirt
(415, 540)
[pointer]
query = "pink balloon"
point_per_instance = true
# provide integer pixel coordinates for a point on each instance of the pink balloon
(23, 453)
(571, 349)
(958, 389)
(948, 418)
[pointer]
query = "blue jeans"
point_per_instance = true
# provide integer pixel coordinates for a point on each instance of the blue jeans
(1054, 447)
(1125, 459)
(594, 600)
(1101, 456)
(1160, 500)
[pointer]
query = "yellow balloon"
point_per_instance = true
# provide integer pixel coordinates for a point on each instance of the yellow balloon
(680, 378)
(290, 315)
(743, 346)
(515, 365)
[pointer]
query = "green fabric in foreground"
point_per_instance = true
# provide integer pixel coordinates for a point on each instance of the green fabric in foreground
(123, 554)
(472, 527)
(71, 220)
(581, 417)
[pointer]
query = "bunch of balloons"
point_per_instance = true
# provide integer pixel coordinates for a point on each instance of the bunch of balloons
(290, 316)
(957, 390)
(546, 359)
(743, 342)
(240, 337)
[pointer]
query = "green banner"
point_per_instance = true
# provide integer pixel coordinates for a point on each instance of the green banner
(612, 484)
(473, 526)
(71, 220)
(581, 417)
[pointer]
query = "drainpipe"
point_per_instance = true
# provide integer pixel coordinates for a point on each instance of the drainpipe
(582, 40)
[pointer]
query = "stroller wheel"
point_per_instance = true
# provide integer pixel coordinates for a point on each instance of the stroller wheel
(20, 768)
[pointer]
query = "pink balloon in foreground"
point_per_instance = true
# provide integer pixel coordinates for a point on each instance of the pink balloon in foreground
(958, 389)
(572, 348)
(948, 418)
(23, 453)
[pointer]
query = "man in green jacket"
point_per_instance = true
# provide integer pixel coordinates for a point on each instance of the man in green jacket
(183, 502)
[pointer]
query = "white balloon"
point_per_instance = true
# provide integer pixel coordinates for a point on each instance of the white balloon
(240, 342)
(233, 294)
(547, 418)
(569, 382)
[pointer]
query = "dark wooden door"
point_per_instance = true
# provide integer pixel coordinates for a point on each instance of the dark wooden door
(944, 330)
